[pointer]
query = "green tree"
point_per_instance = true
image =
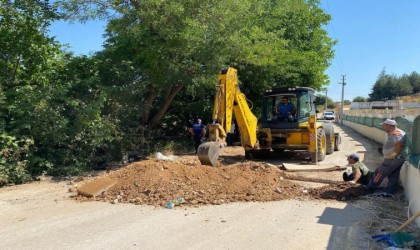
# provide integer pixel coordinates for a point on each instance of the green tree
(28, 59)
(51, 112)
(321, 102)
(359, 99)
(389, 87)
(181, 45)
(414, 80)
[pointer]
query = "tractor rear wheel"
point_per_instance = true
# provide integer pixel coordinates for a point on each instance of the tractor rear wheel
(321, 147)
(329, 133)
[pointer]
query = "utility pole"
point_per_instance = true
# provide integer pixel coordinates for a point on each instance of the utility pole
(326, 100)
(342, 97)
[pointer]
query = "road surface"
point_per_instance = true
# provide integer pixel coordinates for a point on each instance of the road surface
(41, 215)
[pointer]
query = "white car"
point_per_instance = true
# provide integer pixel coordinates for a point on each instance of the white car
(329, 115)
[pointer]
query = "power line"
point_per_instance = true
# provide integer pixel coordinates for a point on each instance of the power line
(340, 65)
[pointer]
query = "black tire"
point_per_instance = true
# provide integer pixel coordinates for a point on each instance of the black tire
(248, 155)
(330, 135)
(278, 151)
(259, 154)
(264, 153)
(321, 147)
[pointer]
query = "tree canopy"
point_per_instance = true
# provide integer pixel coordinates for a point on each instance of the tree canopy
(63, 114)
(388, 87)
(322, 99)
(181, 45)
(359, 99)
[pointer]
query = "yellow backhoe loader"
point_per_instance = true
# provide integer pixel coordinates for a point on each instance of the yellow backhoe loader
(274, 133)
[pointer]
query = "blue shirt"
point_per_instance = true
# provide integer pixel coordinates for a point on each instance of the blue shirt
(285, 109)
(198, 128)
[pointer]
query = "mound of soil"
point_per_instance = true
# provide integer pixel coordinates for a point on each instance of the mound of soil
(156, 182)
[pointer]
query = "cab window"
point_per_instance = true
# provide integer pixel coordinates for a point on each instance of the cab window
(305, 106)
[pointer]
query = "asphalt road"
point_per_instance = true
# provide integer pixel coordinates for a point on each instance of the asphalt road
(42, 216)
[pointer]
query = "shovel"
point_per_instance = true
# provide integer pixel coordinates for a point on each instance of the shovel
(398, 238)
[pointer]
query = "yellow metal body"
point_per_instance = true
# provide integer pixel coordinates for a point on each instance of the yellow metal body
(297, 138)
(229, 101)
(312, 127)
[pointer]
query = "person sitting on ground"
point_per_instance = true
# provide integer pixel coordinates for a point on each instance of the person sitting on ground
(286, 110)
(360, 173)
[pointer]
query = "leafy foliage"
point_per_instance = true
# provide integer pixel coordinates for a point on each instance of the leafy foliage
(359, 99)
(388, 87)
(13, 160)
(63, 114)
(321, 102)
(179, 46)
(53, 100)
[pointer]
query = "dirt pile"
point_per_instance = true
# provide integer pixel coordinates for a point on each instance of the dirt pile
(156, 182)
(339, 192)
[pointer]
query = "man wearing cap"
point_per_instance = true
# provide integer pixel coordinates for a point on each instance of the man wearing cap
(360, 173)
(393, 159)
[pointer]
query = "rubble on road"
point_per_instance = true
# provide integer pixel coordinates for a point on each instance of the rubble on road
(156, 181)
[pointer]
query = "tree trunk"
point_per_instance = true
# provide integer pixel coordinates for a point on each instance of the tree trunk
(148, 105)
(170, 95)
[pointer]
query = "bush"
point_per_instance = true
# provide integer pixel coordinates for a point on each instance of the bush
(13, 160)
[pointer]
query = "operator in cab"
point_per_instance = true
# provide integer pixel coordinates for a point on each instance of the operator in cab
(286, 110)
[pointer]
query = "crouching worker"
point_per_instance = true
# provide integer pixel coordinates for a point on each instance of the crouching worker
(360, 173)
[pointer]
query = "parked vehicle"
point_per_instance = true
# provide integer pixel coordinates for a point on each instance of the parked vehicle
(329, 115)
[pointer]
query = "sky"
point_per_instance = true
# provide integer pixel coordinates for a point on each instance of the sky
(372, 35)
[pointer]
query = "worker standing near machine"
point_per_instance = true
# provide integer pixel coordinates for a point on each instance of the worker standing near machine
(231, 135)
(198, 131)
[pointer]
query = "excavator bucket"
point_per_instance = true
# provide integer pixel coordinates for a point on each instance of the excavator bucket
(208, 153)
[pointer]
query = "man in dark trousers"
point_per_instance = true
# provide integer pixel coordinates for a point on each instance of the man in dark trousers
(198, 130)
(394, 158)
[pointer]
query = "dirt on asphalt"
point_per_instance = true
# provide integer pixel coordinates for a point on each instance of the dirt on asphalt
(156, 182)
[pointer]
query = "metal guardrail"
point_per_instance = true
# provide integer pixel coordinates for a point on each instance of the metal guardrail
(407, 119)
(410, 113)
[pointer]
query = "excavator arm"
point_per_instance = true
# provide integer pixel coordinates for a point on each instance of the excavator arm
(228, 101)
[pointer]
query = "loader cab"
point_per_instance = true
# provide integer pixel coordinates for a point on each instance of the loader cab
(301, 98)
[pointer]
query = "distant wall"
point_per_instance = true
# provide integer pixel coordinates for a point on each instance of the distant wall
(410, 172)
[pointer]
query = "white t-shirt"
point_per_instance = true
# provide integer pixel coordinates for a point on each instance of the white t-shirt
(393, 137)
